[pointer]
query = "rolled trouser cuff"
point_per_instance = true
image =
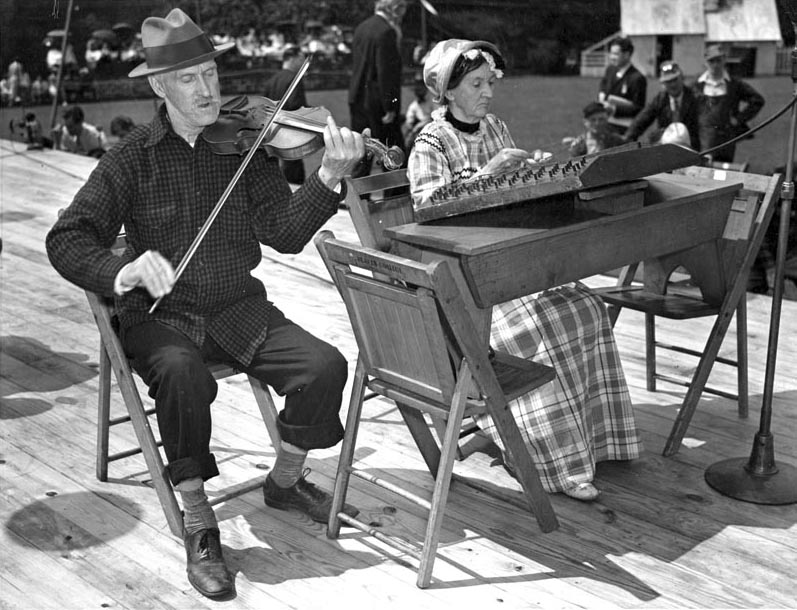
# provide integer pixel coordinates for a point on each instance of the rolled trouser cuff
(317, 436)
(203, 467)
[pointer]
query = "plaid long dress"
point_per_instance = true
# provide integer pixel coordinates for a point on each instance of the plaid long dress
(585, 414)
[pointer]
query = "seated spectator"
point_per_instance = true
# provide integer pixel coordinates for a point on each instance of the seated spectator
(675, 103)
(121, 125)
(77, 136)
(418, 114)
(597, 134)
(34, 134)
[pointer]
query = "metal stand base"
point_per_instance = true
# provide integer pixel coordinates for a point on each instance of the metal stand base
(755, 479)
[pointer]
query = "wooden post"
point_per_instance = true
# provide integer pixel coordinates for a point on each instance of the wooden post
(60, 76)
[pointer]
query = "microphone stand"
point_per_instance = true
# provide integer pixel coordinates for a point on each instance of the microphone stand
(758, 479)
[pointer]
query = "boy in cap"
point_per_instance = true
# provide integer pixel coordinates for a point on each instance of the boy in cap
(161, 184)
(597, 134)
(675, 103)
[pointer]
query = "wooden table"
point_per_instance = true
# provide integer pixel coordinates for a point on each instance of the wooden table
(505, 253)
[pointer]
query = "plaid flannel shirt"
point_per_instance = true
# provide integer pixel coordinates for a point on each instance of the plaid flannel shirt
(162, 190)
(444, 155)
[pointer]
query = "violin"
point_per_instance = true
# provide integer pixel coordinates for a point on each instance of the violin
(294, 134)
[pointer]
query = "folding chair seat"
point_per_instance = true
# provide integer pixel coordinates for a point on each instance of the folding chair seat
(112, 358)
(718, 281)
(419, 348)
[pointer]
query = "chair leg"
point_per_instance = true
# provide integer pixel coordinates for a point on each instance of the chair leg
(650, 351)
(443, 479)
(440, 428)
(347, 449)
(103, 414)
(419, 429)
(742, 357)
(268, 409)
(146, 439)
(701, 374)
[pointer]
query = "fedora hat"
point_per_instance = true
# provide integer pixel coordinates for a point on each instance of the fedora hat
(174, 43)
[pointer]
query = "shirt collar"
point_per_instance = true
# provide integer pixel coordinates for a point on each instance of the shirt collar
(706, 78)
(159, 127)
(621, 72)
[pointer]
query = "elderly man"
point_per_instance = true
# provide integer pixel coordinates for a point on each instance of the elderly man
(623, 88)
(725, 105)
(675, 103)
(162, 184)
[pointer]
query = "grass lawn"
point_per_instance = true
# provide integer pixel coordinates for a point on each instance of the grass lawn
(540, 111)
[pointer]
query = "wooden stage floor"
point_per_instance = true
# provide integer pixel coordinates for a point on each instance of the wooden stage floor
(658, 538)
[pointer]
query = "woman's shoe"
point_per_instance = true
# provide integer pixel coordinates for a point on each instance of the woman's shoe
(586, 492)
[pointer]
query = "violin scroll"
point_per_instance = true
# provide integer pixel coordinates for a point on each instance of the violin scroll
(392, 157)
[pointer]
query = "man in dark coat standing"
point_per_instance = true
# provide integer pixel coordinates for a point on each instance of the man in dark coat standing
(275, 88)
(675, 103)
(725, 105)
(623, 88)
(375, 87)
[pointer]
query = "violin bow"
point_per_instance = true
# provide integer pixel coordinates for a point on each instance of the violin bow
(226, 194)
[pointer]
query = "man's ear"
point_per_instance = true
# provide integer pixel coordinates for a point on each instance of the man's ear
(157, 86)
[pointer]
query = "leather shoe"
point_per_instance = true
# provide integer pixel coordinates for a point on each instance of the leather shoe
(586, 492)
(206, 569)
(304, 497)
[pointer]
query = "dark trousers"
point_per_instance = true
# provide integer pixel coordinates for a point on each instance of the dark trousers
(310, 374)
(390, 134)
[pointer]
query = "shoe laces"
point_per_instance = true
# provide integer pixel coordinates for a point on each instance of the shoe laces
(205, 550)
(311, 488)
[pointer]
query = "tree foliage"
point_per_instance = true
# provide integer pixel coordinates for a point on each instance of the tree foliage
(235, 17)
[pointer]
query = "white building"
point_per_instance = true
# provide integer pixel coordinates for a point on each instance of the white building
(680, 29)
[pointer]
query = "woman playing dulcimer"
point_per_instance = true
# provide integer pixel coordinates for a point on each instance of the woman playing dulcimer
(161, 183)
(585, 415)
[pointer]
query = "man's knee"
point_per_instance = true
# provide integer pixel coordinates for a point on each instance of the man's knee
(181, 370)
(329, 363)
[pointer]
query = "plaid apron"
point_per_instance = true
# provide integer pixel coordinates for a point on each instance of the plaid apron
(584, 415)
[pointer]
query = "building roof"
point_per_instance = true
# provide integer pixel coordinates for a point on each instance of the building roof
(732, 20)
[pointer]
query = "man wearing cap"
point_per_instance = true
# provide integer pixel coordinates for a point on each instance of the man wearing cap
(725, 105)
(675, 103)
(623, 89)
(161, 183)
(292, 59)
(375, 86)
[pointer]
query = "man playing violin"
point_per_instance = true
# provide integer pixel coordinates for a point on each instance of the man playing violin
(161, 184)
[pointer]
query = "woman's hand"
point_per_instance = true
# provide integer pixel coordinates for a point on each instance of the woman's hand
(506, 160)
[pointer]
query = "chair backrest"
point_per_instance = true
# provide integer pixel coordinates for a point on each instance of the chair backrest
(744, 232)
(408, 318)
(371, 218)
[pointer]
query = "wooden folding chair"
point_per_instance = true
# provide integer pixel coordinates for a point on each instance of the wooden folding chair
(112, 357)
(370, 219)
(419, 347)
(719, 270)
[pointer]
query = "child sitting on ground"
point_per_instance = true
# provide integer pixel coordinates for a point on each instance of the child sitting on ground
(597, 135)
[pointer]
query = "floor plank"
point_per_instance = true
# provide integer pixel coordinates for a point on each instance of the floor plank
(659, 537)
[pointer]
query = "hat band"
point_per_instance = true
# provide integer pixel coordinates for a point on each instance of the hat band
(173, 54)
